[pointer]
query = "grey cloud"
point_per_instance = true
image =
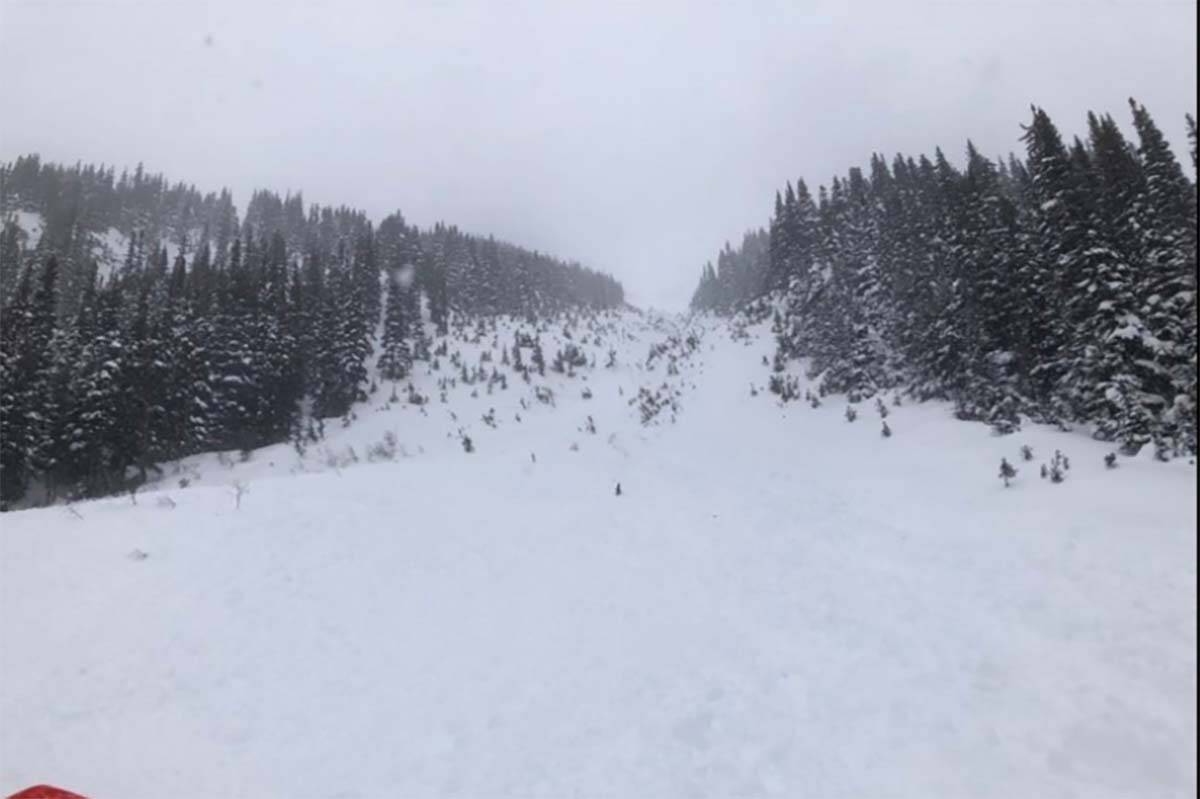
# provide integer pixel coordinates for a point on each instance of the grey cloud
(636, 137)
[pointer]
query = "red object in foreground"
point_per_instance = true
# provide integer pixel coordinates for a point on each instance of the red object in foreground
(45, 792)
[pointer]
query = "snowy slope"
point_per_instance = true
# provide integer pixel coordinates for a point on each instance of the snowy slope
(31, 225)
(433, 429)
(780, 603)
(108, 247)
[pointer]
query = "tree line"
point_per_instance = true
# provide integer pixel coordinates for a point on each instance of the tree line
(212, 332)
(1060, 286)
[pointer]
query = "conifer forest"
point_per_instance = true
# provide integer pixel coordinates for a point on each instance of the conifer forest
(1059, 284)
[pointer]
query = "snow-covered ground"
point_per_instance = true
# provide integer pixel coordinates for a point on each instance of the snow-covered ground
(109, 247)
(31, 225)
(779, 603)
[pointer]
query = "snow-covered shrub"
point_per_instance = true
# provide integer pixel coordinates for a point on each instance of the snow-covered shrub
(384, 450)
(787, 387)
(651, 403)
(1007, 471)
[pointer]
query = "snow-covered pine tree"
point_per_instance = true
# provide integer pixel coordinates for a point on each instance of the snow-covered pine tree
(1054, 263)
(1105, 381)
(395, 357)
(1166, 218)
(984, 306)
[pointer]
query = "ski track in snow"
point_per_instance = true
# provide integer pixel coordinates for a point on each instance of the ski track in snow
(781, 603)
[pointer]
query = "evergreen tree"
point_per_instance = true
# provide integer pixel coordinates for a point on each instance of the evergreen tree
(16, 437)
(10, 260)
(395, 359)
(1166, 220)
(1059, 227)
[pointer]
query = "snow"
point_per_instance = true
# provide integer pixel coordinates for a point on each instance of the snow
(110, 250)
(780, 603)
(31, 224)
(109, 247)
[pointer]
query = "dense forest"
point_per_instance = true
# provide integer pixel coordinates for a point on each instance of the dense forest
(211, 331)
(1060, 287)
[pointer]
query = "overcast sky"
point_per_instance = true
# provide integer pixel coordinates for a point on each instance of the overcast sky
(635, 137)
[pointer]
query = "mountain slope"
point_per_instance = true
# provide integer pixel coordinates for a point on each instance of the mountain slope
(779, 602)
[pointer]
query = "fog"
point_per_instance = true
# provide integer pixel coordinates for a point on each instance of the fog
(634, 137)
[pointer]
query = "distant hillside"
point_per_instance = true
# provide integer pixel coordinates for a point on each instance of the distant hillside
(144, 321)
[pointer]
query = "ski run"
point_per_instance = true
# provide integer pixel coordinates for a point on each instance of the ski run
(451, 598)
